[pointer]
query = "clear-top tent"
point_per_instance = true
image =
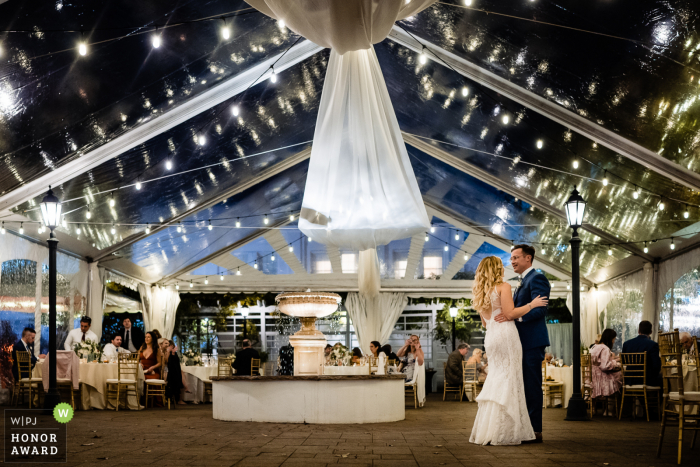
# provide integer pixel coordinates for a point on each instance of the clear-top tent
(517, 103)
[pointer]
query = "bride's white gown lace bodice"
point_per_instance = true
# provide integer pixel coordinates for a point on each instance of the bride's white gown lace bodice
(502, 417)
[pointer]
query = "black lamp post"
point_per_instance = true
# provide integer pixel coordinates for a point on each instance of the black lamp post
(51, 215)
(575, 210)
(453, 314)
(244, 313)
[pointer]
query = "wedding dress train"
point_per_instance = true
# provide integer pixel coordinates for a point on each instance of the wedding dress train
(502, 417)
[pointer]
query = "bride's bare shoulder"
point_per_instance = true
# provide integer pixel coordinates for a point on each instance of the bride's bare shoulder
(504, 287)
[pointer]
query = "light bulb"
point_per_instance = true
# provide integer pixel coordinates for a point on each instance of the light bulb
(447, 248)
(582, 288)
(238, 271)
(222, 277)
(506, 119)
(646, 248)
(202, 140)
(191, 284)
(210, 226)
(309, 239)
(226, 32)
(272, 258)
(686, 214)
(255, 265)
(111, 201)
(291, 248)
(273, 76)
(88, 214)
(457, 236)
(468, 2)
(168, 164)
(540, 143)
(568, 286)
(82, 48)
(575, 164)
(291, 217)
(266, 220)
(605, 179)
(432, 229)
(423, 57)
(113, 230)
(148, 229)
(465, 91)
(609, 251)
(77, 231)
(544, 252)
(661, 206)
(426, 237)
(206, 281)
(673, 245)
(235, 111)
(138, 185)
(238, 222)
(2, 229)
(466, 256)
(156, 41)
(177, 286)
(635, 194)
(281, 24)
(21, 228)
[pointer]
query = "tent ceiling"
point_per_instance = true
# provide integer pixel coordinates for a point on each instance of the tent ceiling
(56, 107)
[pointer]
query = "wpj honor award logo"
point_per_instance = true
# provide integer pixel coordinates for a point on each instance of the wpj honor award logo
(34, 436)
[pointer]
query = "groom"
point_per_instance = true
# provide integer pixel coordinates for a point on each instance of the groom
(532, 329)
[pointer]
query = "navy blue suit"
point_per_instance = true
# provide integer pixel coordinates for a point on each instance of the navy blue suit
(532, 328)
(645, 344)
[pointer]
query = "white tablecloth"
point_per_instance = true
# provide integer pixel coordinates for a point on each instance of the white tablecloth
(563, 375)
(93, 384)
(346, 370)
(195, 376)
(690, 378)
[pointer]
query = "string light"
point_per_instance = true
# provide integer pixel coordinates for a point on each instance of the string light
(281, 24)
(235, 111)
(82, 48)
(605, 179)
(112, 203)
(466, 257)
(138, 184)
(113, 230)
(582, 289)
(148, 229)
(272, 257)
(447, 248)
(635, 193)
(609, 251)
(266, 220)
(673, 245)
(238, 272)
(432, 230)
(191, 284)
(156, 39)
(202, 140)
(686, 214)
(177, 286)
(540, 143)
(568, 286)
(426, 237)
(210, 226)
(21, 228)
(88, 214)
(456, 235)
(661, 205)
(273, 75)
(309, 239)
(646, 248)
(255, 265)
(2, 229)
(222, 277)
(468, 2)
(77, 231)
(179, 227)
(225, 30)
(423, 57)
(465, 91)
(291, 216)
(206, 280)
(575, 164)
(506, 119)
(238, 222)
(168, 164)
(291, 248)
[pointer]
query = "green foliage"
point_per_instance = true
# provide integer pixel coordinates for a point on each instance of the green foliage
(465, 324)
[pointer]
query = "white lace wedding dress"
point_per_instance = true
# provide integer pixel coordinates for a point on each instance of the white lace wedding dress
(502, 417)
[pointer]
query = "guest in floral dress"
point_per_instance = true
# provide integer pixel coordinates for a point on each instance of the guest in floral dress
(607, 379)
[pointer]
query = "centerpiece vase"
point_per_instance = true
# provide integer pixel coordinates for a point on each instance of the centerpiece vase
(309, 343)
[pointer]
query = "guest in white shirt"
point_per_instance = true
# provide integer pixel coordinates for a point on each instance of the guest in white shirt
(687, 342)
(81, 334)
(112, 350)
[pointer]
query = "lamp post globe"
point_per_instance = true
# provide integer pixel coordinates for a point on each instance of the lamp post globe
(50, 216)
(575, 206)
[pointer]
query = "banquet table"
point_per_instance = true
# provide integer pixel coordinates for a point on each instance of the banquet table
(346, 370)
(196, 375)
(690, 377)
(93, 384)
(562, 375)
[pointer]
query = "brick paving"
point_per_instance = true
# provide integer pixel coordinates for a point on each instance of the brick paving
(437, 435)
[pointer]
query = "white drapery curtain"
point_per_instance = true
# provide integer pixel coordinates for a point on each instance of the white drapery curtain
(160, 305)
(96, 297)
(560, 338)
(374, 318)
(593, 303)
(147, 306)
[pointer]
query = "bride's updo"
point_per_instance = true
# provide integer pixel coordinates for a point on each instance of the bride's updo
(489, 274)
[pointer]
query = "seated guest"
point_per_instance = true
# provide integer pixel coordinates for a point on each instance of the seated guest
(413, 357)
(374, 347)
(81, 334)
(132, 337)
(327, 352)
(605, 374)
(25, 344)
(687, 342)
(389, 354)
(150, 357)
(477, 357)
(243, 357)
(112, 350)
(643, 343)
(548, 357)
(356, 355)
(453, 368)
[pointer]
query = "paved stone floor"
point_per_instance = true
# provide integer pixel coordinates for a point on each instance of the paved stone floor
(436, 435)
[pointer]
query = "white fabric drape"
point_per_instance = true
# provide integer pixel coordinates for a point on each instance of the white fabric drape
(146, 307)
(163, 305)
(374, 318)
(560, 338)
(96, 297)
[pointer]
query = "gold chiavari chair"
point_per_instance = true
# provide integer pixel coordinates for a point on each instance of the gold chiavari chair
(411, 390)
(696, 355)
(587, 381)
(634, 381)
(223, 370)
(25, 380)
(676, 400)
(255, 367)
(126, 382)
(470, 381)
(450, 387)
(155, 388)
(550, 389)
(393, 362)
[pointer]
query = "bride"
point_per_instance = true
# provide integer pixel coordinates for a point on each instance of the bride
(502, 417)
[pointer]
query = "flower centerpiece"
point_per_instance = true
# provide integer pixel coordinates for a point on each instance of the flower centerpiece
(89, 350)
(192, 357)
(340, 356)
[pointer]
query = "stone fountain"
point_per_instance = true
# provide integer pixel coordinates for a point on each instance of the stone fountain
(309, 343)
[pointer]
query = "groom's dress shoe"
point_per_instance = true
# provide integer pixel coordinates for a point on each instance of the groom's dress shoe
(538, 438)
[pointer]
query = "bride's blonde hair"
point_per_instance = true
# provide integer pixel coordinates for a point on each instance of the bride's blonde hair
(489, 274)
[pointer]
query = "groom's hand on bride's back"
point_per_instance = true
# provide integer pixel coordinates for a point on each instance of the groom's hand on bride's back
(501, 318)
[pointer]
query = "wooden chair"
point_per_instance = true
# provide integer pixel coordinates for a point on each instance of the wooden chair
(255, 367)
(697, 358)
(551, 388)
(26, 383)
(634, 372)
(155, 388)
(676, 400)
(451, 387)
(223, 369)
(586, 381)
(470, 381)
(127, 380)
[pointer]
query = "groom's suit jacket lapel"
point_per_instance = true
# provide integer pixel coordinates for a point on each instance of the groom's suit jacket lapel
(522, 284)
